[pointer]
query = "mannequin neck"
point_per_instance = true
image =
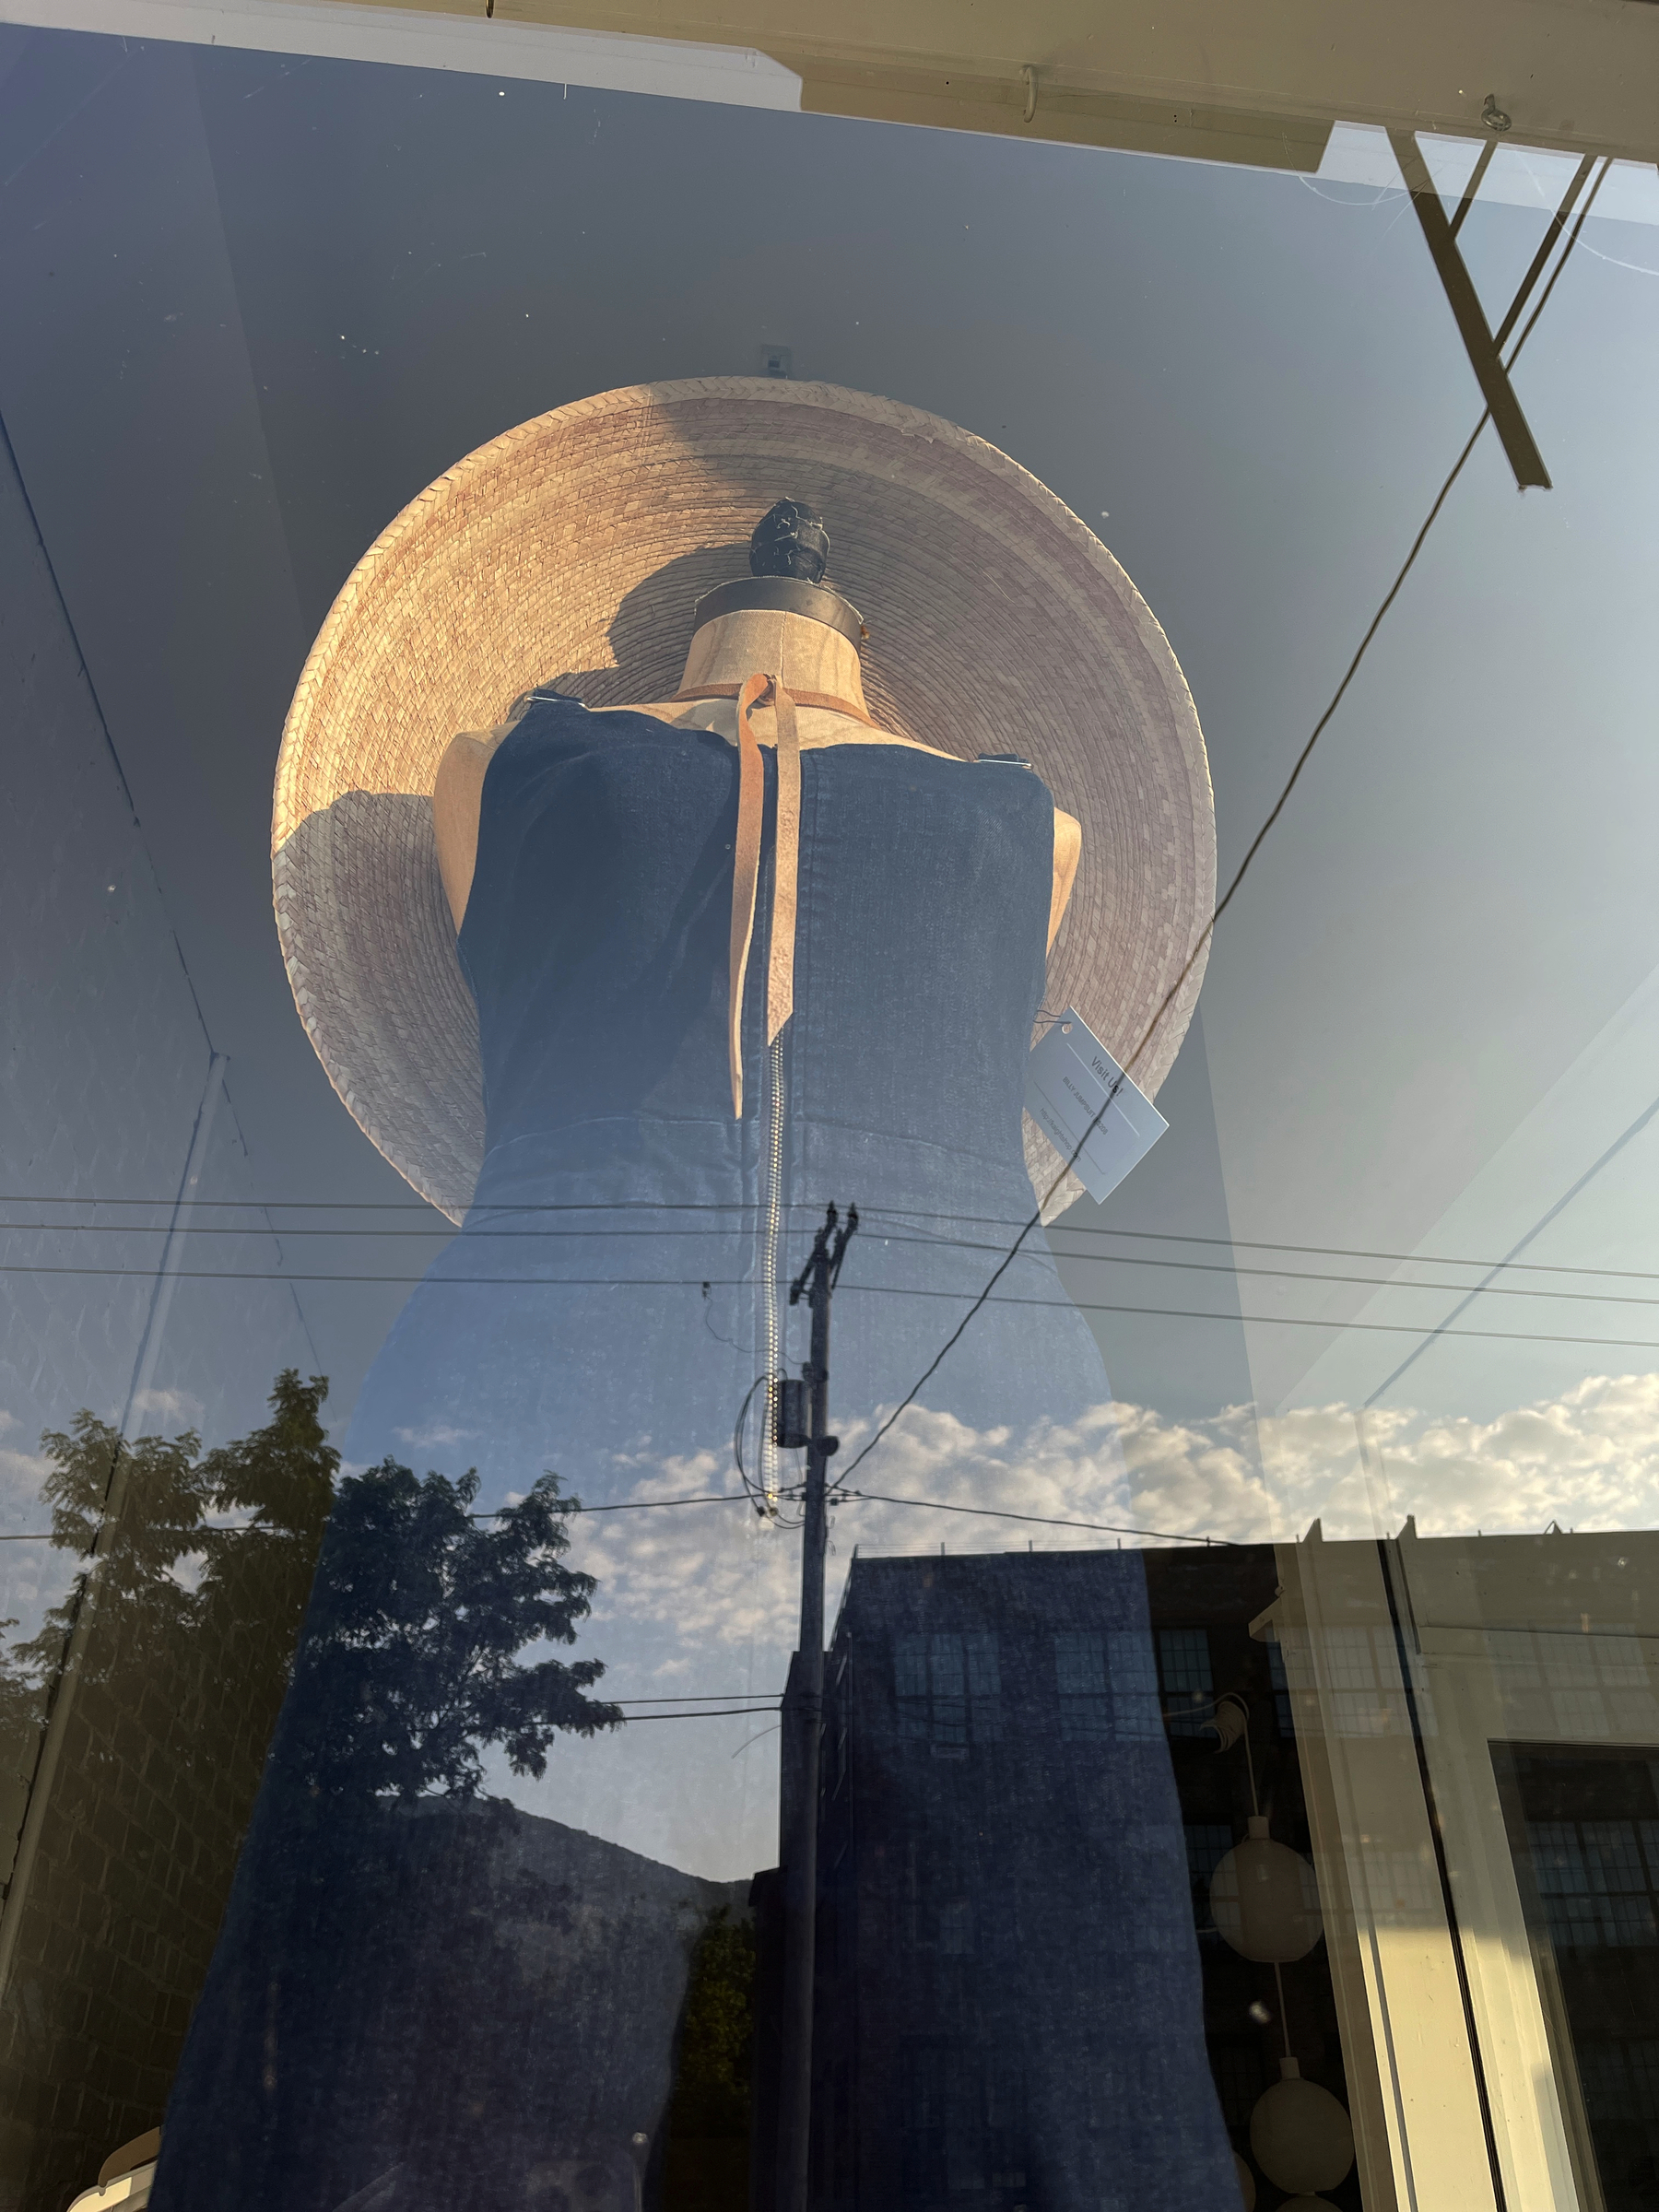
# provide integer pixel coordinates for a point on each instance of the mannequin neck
(804, 654)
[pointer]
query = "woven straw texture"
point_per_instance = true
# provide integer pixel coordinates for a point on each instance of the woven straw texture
(572, 547)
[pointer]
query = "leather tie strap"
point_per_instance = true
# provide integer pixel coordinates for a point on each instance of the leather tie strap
(780, 975)
(746, 876)
(746, 870)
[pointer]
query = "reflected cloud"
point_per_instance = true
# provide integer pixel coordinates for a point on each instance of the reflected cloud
(177, 1406)
(22, 1475)
(1588, 1457)
(436, 1436)
(717, 1575)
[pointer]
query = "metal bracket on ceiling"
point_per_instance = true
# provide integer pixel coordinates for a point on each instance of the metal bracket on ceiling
(1483, 345)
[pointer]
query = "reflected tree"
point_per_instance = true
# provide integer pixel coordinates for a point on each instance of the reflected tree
(410, 1667)
(707, 2165)
(196, 1566)
(159, 1674)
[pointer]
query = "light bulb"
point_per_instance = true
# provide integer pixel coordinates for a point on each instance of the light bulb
(1265, 1899)
(1300, 2137)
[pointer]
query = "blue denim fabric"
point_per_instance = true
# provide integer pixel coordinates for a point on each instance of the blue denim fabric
(604, 1309)
(616, 1183)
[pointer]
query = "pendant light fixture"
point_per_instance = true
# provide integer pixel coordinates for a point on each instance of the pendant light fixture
(1300, 2135)
(1264, 1896)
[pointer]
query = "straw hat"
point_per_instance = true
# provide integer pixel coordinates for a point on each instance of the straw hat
(574, 548)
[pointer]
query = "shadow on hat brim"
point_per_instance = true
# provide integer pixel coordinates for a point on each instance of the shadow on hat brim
(574, 547)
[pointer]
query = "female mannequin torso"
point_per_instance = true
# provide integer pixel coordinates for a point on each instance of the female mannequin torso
(808, 657)
(391, 2018)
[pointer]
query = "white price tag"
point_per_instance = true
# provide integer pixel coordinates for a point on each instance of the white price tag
(1069, 1077)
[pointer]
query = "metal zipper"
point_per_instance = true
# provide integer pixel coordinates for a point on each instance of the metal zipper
(771, 1231)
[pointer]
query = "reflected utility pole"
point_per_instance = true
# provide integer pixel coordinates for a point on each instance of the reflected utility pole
(803, 1418)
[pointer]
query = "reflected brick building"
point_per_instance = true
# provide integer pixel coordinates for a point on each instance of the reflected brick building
(1006, 1893)
(1022, 1805)
(1020, 1777)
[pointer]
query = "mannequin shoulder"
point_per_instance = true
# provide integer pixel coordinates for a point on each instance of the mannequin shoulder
(1069, 850)
(457, 801)
(466, 758)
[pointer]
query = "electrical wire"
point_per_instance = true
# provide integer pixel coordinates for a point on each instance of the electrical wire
(754, 1491)
(645, 1505)
(993, 1512)
(759, 1739)
(1066, 1228)
(711, 1696)
(837, 1496)
(1345, 1252)
(1255, 847)
(1287, 1321)
(726, 1713)
(1292, 1275)
(983, 1297)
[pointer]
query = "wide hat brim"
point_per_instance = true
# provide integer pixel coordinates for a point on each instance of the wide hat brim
(571, 549)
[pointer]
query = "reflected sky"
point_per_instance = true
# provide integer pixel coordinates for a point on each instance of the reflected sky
(256, 305)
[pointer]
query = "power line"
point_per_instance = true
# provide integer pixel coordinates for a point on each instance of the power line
(1287, 1321)
(746, 1712)
(410, 1206)
(262, 1528)
(1345, 1252)
(1255, 847)
(991, 1513)
(646, 1505)
(711, 1696)
(1374, 1282)
(1551, 1213)
(985, 1297)
(1293, 1275)
(1064, 1228)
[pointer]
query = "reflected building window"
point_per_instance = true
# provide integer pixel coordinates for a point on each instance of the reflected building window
(950, 1692)
(1189, 1686)
(1360, 1672)
(1282, 1691)
(1080, 1682)
(1107, 1684)
(1583, 1826)
(1598, 1880)
(1589, 1684)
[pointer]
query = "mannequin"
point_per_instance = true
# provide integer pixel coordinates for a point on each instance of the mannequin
(810, 657)
(614, 1302)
